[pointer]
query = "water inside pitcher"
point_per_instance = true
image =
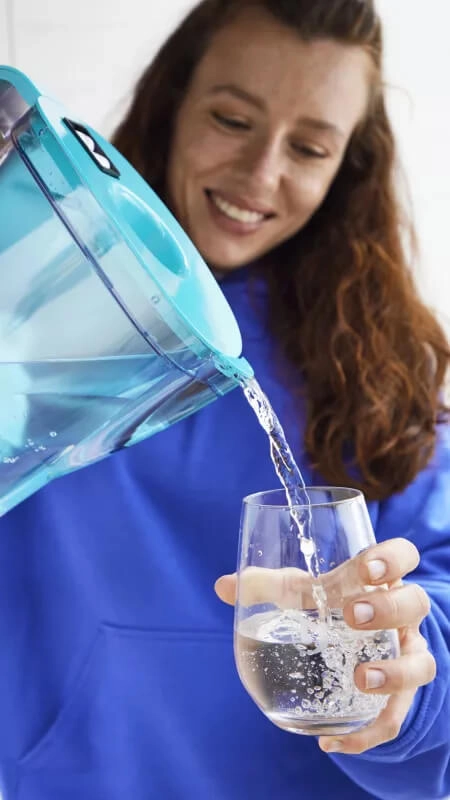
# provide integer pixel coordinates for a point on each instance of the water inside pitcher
(112, 327)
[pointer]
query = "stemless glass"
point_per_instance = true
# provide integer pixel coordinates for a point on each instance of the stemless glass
(295, 654)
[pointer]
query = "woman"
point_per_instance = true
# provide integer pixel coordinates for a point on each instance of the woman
(262, 123)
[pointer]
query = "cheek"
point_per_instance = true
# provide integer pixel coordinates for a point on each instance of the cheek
(309, 192)
(203, 153)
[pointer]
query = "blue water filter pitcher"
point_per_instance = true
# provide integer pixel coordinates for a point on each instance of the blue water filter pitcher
(111, 325)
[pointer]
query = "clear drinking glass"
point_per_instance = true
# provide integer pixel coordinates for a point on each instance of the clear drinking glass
(295, 654)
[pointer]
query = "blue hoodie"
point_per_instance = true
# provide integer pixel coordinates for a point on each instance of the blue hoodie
(117, 677)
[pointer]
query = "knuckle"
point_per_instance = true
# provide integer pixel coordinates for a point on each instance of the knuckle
(404, 550)
(392, 605)
(422, 599)
(431, 668)
(413, 553)
(421, 643)
(398, 546)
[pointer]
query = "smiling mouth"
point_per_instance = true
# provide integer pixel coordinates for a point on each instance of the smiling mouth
(234, 212)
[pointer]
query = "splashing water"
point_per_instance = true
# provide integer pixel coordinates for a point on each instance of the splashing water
(297, 497)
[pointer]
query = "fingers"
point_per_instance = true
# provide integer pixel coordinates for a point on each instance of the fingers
(401, 674)
(385, 728)
(286, 588)
(412, 641)
(289, 587)
(225, 588)
(388, 561)
(407, 605)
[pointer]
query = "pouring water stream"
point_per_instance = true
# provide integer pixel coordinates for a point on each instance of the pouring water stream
(296, 494)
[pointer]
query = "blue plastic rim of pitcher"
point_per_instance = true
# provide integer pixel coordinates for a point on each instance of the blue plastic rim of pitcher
(191, 302)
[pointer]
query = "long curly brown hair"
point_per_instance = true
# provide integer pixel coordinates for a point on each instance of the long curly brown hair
(371, 357)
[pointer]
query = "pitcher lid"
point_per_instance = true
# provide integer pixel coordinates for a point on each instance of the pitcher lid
(144, 222)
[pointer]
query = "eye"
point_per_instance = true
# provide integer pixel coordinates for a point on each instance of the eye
(308, 151)
(230, 122)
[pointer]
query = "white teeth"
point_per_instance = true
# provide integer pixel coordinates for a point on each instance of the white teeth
(236, 213)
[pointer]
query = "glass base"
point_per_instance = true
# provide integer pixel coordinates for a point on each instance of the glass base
(319, 726)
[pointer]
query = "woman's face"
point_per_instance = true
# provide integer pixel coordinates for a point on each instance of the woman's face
(260, 136)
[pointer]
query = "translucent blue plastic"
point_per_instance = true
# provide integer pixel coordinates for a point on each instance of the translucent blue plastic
(96, 346)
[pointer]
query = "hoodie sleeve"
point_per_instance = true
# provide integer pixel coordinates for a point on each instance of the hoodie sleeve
(416, 765)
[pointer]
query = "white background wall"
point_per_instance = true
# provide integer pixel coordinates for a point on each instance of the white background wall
(89, 53)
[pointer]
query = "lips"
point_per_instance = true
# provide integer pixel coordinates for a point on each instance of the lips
(233, 220)
(238, 208)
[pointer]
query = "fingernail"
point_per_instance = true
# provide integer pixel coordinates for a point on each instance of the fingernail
(335, 746)
(363, 612)
(375, 678)
(377, 569)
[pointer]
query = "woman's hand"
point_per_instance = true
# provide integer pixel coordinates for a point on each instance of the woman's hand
(401, 606)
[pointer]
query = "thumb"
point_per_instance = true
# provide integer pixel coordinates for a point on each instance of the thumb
(225, 588)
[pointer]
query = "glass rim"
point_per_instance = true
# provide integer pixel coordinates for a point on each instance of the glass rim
(353, 494)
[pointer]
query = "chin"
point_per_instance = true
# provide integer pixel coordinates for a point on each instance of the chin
(228, 265)
(226, 258)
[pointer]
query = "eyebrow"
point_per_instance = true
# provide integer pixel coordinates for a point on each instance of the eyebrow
(231, 88)
(257, 102)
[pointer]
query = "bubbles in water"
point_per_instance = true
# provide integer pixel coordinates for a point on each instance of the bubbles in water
(307, 546)
(52, 434)
(321, 684)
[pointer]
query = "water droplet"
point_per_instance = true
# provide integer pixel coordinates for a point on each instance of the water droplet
(260, 552)
(53, 434)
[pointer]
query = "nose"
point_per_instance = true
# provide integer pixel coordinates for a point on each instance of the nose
(263, 165)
